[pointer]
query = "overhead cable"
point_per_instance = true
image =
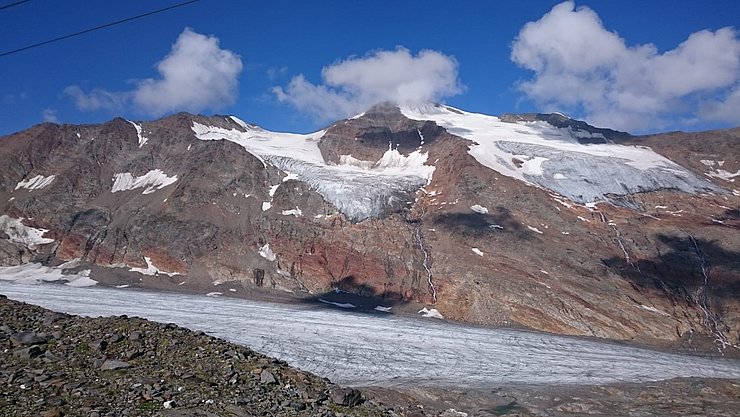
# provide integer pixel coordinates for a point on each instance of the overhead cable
(107, 25)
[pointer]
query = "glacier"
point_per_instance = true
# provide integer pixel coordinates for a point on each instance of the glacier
(358, 189)
(378, 349)
(543, 155)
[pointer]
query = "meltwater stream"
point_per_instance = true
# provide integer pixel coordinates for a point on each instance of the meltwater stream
(358, 349)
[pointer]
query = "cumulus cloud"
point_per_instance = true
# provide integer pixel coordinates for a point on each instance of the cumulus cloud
(97, 99)
(579, 66)
(196, 75)
(353, 85)
(50, 115)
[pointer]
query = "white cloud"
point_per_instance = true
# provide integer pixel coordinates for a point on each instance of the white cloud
(97, 99)
(353, 85)
(50, 115)
(726, 109)
(581, 67)
(196, 75)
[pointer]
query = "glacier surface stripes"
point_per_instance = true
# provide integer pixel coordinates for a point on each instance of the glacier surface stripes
(381, 350)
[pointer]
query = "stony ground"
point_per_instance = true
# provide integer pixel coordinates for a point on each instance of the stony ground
(53, 364)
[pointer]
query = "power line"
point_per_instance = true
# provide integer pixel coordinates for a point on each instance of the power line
(14, 4)
(107, 25)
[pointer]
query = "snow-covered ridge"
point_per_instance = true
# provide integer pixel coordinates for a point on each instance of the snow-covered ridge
(550, 157)
(35, 183)
(153, 180)
(359, 189)
(21, 234)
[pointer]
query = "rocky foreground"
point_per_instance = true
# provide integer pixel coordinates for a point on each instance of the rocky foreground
(54, 364)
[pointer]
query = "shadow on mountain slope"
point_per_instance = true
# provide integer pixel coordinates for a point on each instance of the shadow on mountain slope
(497, 220)
(681, 268)
(696, 271)
(353, 296)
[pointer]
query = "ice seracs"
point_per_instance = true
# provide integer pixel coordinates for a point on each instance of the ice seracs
(359, 189)
(553, 158)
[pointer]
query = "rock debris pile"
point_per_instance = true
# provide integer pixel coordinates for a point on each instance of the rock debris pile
(54, 364)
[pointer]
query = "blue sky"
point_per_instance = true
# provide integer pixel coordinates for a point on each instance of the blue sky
(641, 66)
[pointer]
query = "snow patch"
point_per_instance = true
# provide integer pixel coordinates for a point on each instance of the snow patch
(151, 269)
(724, 175)
(36, 183)
(433, 313)
(83, 280)
(267, 253)
(21, 234)
(653, 309)
(294, 212)
(214, 294)
(477, 251)
(479, 209)
(340, 305)
(142, 139)
(534, 229)
(383, 309)
(152, 180)
(35, 273)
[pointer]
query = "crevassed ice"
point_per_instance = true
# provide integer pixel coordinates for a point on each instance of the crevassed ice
(359, 189)
(543, 155)
(35, 183)
(152, 180)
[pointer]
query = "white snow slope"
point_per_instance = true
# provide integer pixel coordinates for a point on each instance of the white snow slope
(383, 350)
(35, 183)
(552, 157)
(359, 190)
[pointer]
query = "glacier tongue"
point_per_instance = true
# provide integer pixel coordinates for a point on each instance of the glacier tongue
(358, 189)
(359, 194)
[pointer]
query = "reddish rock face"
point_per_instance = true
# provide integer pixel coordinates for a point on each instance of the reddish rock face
(664, 271)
